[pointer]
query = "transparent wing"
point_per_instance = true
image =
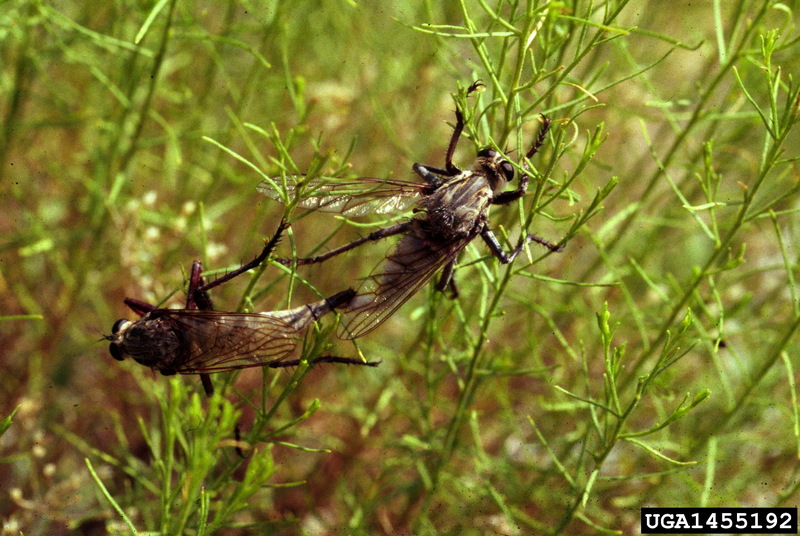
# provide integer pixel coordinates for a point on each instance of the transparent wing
(412, 263)
(358, 197)
(216, 341)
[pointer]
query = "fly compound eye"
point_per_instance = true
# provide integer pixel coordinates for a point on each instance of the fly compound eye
(116, 353)
(487, 153)
(118, 326)
(507, 169)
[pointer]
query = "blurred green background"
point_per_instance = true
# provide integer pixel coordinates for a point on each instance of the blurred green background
(651, 363)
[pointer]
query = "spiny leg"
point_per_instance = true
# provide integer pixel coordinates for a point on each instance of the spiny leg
(555, 248)
(450, 168)
(429, 173)
(505, 198)
(377, 235)
(208, 387)
(540, 138)
(451, 148)
(268, 248)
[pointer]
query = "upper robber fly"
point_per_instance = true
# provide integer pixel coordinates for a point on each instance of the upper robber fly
(199, 340)
(451, 210)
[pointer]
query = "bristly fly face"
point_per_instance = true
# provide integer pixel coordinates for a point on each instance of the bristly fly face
(451, 209)
(498, 171)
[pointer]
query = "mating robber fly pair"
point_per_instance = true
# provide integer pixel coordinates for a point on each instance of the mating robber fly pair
(451, 209)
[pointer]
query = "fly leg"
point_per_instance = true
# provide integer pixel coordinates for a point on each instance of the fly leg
(196, 296)
(497, 249)
(505, 258)
(446, 280)
(325, 359)
(451, 169)
(377, 235)
(139, 307)
(540, 138)
(505, 198)
(429, 173)
(268, 248)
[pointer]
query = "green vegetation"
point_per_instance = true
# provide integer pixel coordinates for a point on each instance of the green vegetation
(651, 363)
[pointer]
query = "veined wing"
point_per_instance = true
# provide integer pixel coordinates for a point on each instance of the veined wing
(412, 263)
(215, 341)
(357, 197)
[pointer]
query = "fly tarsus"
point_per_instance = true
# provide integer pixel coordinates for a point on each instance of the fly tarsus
(540, 138)
(555, 248)
(476, 87)
(505, 198)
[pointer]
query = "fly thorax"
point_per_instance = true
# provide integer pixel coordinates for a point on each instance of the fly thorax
(150, 342)
(459, 207)
(451, 223)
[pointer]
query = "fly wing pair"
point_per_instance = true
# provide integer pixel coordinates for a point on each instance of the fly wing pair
(414, 260)
(214, 341)
(350, 198)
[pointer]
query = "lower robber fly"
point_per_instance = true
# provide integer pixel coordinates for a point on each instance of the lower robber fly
(199, 340)
(451, 210)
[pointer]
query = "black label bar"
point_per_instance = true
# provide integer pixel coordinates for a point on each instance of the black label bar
(719, 521)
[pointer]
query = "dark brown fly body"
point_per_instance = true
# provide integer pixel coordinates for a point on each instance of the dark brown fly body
(203, 341)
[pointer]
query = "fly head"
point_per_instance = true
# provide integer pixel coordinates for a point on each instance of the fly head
(116, 336)
(497, 170)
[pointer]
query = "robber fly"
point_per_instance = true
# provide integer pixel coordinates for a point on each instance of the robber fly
(199, 340)
(451, 210)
